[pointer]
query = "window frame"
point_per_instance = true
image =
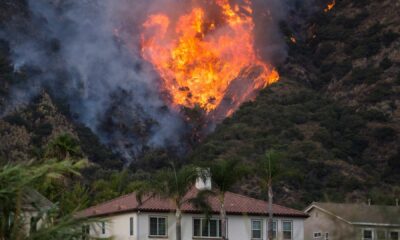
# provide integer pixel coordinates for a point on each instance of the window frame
(103, 228)
(261, 228)
(317, 237)
(367, 229)
(157, 230)
(131, 226)
(393, 231)
(379, 231)
(274, 236)
(291, 229)
(201, 219)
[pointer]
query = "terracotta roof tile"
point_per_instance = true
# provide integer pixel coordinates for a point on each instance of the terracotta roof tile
(235, 204)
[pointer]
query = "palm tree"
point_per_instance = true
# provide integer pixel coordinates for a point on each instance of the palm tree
(63, 147)
(15, 180)
(225, 174)
(172, 184)
(268, 169)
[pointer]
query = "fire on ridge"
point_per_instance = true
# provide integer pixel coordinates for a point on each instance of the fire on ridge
(205, 60)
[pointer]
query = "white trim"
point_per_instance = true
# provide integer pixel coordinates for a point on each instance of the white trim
(261, 228)
(326, 236)
(349, 222)
(201, 222)
(376, 224)
(325, 211)
(368, 229)
(166, 225)
(320, 235)
(291, 228)
(394, 231)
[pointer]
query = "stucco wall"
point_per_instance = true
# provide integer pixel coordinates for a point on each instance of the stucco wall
(239, 227)
(320, 221)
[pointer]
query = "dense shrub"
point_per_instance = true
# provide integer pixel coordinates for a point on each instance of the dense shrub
(384, 134)
(375, 115)
(365, 75)
(379, 93)
(389, 37)
(385, 63)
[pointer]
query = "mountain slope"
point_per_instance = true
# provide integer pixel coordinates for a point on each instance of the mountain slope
(335, 112)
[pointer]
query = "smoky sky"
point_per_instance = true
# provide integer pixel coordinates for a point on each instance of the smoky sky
(87, 53)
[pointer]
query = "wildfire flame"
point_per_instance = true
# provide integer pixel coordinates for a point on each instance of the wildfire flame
(201, 58)
(330, 6)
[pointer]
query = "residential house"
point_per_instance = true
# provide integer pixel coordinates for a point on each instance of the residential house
(33, 205)
(154, 218)
(337, 221)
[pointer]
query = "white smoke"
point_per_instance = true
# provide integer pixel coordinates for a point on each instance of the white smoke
(87, 52)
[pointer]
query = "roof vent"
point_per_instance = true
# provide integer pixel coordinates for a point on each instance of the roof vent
(203, 181)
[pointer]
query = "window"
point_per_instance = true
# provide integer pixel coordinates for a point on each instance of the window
(158, 226)
(85, 232)
(274, 228)
(103, 228)
(367, 234)
(394, 235)
(317, 235)
(287, 230)
(206, 228)
(256, 229)
(33, 224)
(131, 226)
(326, 236)
(381, 234)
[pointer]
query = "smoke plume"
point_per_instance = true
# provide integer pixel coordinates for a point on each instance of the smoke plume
(87, 53)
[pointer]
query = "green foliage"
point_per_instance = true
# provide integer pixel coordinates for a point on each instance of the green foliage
(386, 63)
(63, 147)
(113, 185)
(367, 75)
(226, 173)
(384, 134)
(15, 180)
(95, 151)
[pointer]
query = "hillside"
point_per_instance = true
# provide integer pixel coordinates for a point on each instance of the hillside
(334, 114)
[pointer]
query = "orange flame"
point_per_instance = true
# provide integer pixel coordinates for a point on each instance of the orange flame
(199, 58)
(330, 6)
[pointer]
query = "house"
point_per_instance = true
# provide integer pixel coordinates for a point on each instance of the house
(334, 221)
(33, 205)
(154, 218)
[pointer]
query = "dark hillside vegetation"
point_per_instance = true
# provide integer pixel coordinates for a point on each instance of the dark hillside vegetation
(335, 112)
(334, 115)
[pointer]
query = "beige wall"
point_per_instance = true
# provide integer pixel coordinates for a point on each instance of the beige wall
(320, 221)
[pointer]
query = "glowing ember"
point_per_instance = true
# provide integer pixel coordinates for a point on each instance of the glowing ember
(330, 6)
(199, 57)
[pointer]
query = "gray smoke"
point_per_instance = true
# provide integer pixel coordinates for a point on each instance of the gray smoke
(87, 53)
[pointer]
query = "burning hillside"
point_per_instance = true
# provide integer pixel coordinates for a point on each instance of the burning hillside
(201, 54)
(130, 70)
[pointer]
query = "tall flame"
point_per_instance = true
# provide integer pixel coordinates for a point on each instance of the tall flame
(330, 6)
(199, 58)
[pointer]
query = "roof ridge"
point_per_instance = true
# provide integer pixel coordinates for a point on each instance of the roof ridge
(260, 200)
(358, 204)
(109, 201)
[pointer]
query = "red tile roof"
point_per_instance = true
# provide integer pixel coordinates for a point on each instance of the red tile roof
(235, 204)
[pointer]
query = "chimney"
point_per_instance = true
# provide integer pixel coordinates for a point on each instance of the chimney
(203, 181)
